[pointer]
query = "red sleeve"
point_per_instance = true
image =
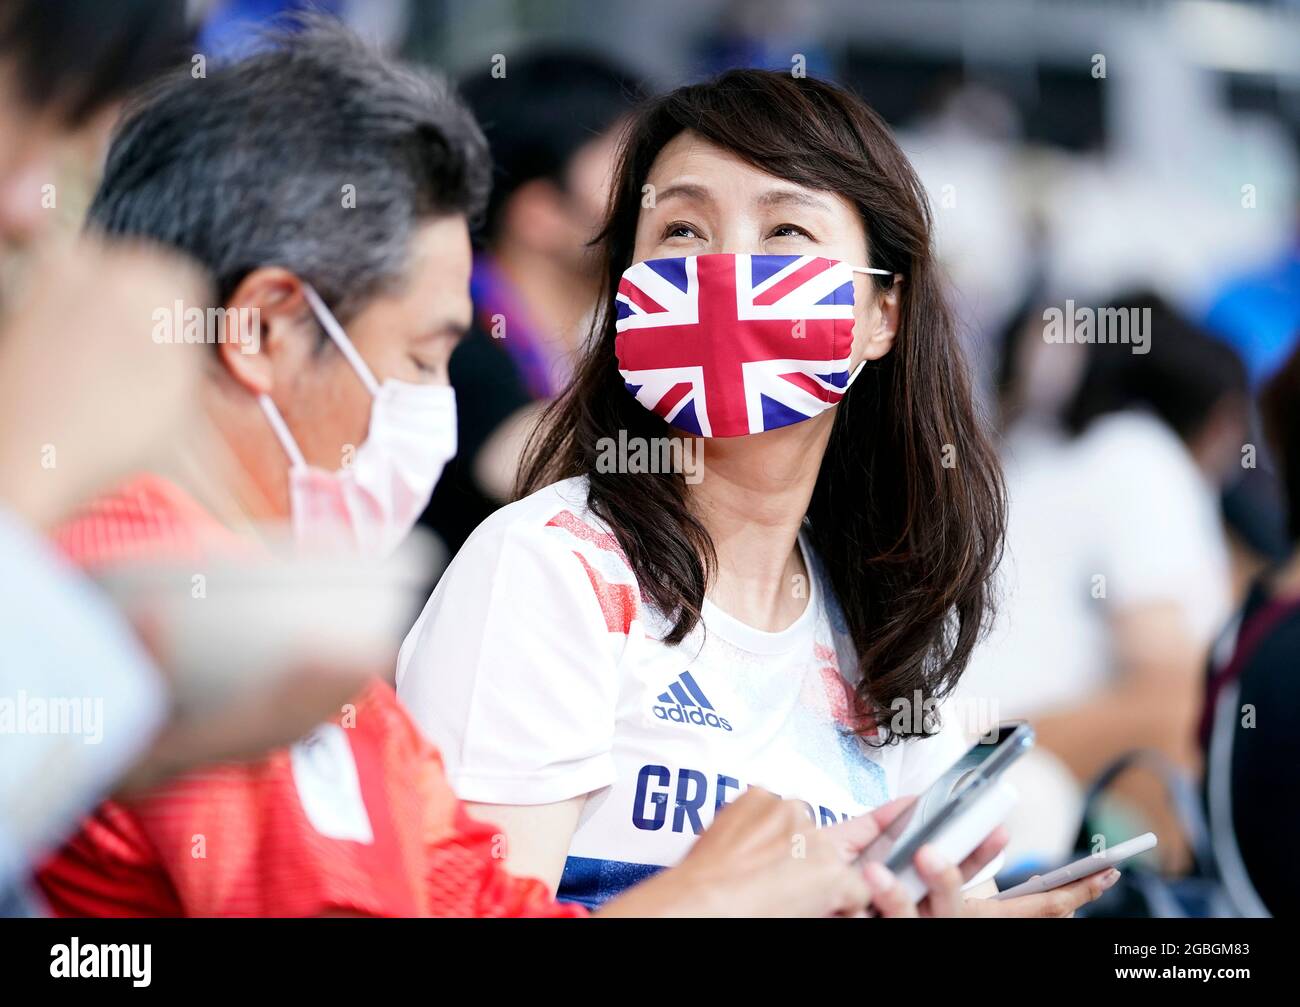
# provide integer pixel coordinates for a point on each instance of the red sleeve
(467, 877)
(108, 869)
(359, 820)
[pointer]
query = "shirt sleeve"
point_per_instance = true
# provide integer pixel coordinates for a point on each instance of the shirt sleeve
(467, 878)
(108, 869)
(512, 669)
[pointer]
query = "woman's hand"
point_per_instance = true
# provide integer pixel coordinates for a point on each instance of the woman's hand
(943, 879)
(1059, 902)
(945, 882)
(762, 856)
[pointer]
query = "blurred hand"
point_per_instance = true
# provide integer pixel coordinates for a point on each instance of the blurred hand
(85, 391)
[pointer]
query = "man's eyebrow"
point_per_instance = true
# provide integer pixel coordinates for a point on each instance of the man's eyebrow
(686, 190)
(788, 197)
(446, 327)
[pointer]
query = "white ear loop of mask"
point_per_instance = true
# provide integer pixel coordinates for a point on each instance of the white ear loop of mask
(863, 363)
(340, 339)
(336, 333)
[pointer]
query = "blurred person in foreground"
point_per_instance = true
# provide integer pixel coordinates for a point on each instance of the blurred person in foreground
(75, 353)
(1116, 577)
(83, 708)
(358, 309)
(551, 123)
(1250, 727)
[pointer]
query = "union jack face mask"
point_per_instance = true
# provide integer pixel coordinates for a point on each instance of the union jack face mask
(725, 345)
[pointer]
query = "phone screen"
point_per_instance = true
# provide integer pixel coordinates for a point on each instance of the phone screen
(982, 762)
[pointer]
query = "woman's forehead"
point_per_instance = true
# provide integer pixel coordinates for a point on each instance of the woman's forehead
(693, 170)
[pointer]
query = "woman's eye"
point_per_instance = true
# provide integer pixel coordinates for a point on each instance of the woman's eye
(678, 229)
(789, 231)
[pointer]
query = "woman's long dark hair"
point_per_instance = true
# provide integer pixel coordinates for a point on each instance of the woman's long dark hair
(908, 512)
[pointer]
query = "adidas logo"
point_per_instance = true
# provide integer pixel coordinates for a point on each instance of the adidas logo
(685, 703)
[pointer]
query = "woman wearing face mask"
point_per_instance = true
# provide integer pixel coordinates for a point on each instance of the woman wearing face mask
(759, 528)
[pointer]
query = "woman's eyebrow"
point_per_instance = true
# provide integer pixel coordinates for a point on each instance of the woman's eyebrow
(686, 190)
(792, 197)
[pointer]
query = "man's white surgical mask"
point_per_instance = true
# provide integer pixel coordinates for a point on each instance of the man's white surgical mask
(372, 503)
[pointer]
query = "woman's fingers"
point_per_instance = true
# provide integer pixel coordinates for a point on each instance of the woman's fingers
(851, 837)
(983, 854)
(853, 893)
(887, 894)
(944, 880)
(1059, 902)
(886, 813)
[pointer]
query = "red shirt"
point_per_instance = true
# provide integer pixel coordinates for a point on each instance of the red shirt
(360, 819)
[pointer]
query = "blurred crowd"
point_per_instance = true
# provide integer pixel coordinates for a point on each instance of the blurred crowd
(1149, 589)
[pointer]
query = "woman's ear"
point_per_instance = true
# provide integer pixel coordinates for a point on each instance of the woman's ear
(881, 321)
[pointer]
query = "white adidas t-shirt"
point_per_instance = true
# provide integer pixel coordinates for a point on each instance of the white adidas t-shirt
(538, 670)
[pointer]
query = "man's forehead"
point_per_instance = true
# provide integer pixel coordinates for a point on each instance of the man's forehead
(442, 245)
(439, 272)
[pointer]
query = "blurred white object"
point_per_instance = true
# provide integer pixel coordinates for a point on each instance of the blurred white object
(227, 626)
(79, 699)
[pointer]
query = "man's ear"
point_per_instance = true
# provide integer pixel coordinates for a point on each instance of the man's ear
(263, 317)
(880, 336)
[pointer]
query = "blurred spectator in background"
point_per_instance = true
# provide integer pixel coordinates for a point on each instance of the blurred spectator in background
(1250, 728)
(769, 35)
(971, 155)
(230, 27)
(552, 124)
(1258, 312)
(1117, 575)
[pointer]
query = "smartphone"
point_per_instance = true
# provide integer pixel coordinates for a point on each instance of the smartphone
(950, 798)
(1082, 867)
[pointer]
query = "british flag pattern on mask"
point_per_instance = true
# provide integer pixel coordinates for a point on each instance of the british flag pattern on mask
(726, 345)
